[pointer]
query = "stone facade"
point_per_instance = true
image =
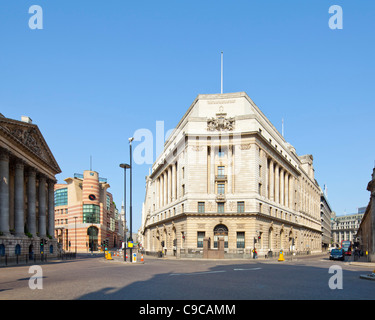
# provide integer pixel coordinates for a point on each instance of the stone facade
(366, 231)
(227, 173)
(27, 178)
(326, 217)
(345, 227)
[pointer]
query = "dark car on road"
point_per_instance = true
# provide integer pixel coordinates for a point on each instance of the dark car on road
(337, 254)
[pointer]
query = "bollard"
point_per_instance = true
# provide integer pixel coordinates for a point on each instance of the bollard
(281, 256)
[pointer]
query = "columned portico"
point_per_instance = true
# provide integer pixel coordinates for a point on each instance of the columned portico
(39, 207)
(27, 178)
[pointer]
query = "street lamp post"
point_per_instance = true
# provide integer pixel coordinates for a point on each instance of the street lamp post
(75, 231)
(131, 199)
(124, 166)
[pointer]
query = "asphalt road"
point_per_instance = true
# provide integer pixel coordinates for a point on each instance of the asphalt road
(88, 278)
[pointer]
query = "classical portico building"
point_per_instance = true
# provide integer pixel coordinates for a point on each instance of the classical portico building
(226, 172)
(27, 179)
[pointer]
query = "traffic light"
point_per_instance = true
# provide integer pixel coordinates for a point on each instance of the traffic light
(41, 245)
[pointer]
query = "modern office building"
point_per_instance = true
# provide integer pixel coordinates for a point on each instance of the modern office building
(226, 172)
(85, 214)
(27, 179)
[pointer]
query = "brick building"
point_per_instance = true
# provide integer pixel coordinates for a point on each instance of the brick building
(85, 214)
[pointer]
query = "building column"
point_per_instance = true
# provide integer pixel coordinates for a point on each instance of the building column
(165, 179)
(277, 176)
(271, 183)
(169, 170)
(4, 192)
(42, 207)
(31, 202)
(282, 172)
(287, 189)
(173, 182)
(51, 208)
(19, 200)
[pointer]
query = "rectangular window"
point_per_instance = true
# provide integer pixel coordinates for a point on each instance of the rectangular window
(61, 197)
(108, 202)
(240, 240)
(221, 188)
(220, 207)
(201, 207)
(221, 152)
(220, 171)
(91, 213)
(240, 206)
(200, 236)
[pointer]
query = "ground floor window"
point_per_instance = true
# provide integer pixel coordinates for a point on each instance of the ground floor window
(200, 236)
(240, 240)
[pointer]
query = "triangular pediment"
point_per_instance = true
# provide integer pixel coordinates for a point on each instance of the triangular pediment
(30, 138)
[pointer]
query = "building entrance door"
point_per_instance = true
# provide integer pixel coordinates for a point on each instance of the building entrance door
(221, 231)
(93, 232)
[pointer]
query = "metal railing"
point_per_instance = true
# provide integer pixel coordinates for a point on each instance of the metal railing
(20, 259)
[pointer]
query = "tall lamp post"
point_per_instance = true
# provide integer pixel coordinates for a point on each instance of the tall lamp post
(131, 199)
(75, 231)
(124, 166)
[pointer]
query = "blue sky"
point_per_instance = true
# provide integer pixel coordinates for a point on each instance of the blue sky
(99, 71)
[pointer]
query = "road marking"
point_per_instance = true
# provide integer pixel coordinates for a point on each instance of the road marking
(195, 273)
(247, 269)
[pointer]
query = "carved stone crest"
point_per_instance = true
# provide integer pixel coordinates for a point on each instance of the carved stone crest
(220, 123)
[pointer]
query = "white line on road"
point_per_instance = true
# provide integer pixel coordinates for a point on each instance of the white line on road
(247, 269)
(195, 273)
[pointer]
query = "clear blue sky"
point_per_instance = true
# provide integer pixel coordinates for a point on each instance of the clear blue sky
(99, 71)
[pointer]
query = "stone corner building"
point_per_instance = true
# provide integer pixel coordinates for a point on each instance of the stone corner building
(226, 172)
(366, 231)
(27, 179)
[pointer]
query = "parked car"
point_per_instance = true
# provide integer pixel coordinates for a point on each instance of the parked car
(337, 254)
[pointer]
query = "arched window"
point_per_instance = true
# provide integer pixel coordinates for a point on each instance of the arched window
(221, 231)
(17, 250)
(51, 248)
(270, 233)
(2, 250)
